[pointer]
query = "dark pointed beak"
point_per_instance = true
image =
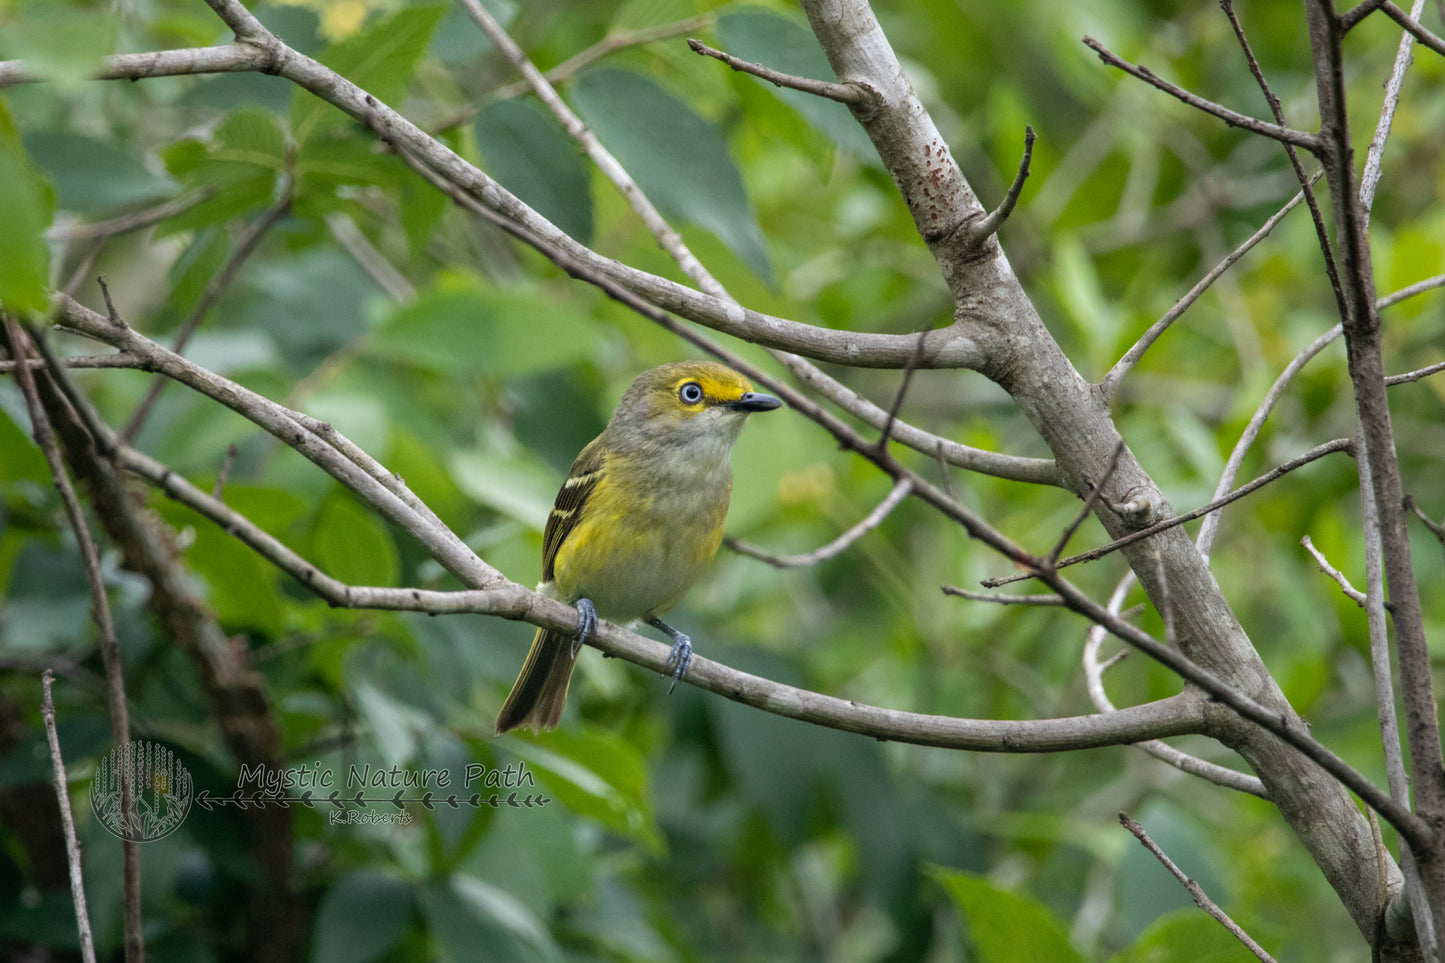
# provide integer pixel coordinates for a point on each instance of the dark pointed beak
(754, 401)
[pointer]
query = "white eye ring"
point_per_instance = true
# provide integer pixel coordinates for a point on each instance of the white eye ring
(690, 393)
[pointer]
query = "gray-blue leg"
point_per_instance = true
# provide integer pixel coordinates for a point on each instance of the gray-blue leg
(681, 656)
(586, 623)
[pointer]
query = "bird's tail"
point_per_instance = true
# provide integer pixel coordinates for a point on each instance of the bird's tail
(540, 691)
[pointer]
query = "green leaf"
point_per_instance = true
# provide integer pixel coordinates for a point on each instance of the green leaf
(58, 43)
(461, 326)
(530, 154)
(94, 175)
(239, 165)
(678, 159)
(1004, 926)
(464, 914)
(352, 545)
(764, 37)
(1186, 936)
(597, 775)
(27, 207)
(362, 917)
(379, 59)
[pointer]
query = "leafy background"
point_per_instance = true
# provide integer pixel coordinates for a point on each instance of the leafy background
(687, 827)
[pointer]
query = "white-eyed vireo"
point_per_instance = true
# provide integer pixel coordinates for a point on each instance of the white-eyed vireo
(638, 518)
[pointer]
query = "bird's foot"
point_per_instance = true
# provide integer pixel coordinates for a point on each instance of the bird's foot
(586, 624)
(680, 657)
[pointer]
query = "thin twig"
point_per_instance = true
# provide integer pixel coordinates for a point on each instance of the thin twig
(1415, 375)
(1352, 17)
(67, 822)
(1110, 384)
(997, 599)
(1096, 490)
(125, 223)
(1287, 135)
(1352, 593)
(99, 613)
(989, 224)
(610, 44)
(897, 405)
(1419, 287)
(1404, 56)
(220, 281)
(1413, 27)
(1319, 451)
(1196, 892)
(856, 95)
(1210, 528)
(1179, 759)
(224, 473)
(610, 167)
(871, 521)
(1305, 182)
(1436, 528)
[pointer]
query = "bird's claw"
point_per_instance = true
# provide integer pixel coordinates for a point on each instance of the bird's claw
(586, 624)
(679, 659)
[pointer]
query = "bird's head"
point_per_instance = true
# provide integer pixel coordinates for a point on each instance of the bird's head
(687, 403)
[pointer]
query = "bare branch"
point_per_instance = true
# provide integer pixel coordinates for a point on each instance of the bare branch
(1404, 56)
(1415, 375)
(1002, 599)
(988, 226)
(610, 44)
(1352, 593)
(1436, 528)
(67, 822)
(1419, 287)
(1183, 761)
(1413, 27)
(871, 521)
(1319, 451)
(670, 240)
(1285, 135)
(125, 223)
(246, 246)
(99, 613)
(1176, 716)
(1210, 528)
(1095, 491)
(855, 95)
(232, 58)
(1196, 892)
(898, 396)
(1110, 384)
(1306, 183)
(446, 547)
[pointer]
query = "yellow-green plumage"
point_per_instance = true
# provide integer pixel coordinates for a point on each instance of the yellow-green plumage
(639, 517)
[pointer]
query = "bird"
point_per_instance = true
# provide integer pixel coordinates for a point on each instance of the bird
(638, 519)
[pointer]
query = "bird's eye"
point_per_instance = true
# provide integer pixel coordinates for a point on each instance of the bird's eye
(690, 393)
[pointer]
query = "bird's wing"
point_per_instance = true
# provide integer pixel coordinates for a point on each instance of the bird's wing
(567, 511)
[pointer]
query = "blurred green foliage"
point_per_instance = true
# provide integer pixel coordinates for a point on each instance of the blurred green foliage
(689, 827)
